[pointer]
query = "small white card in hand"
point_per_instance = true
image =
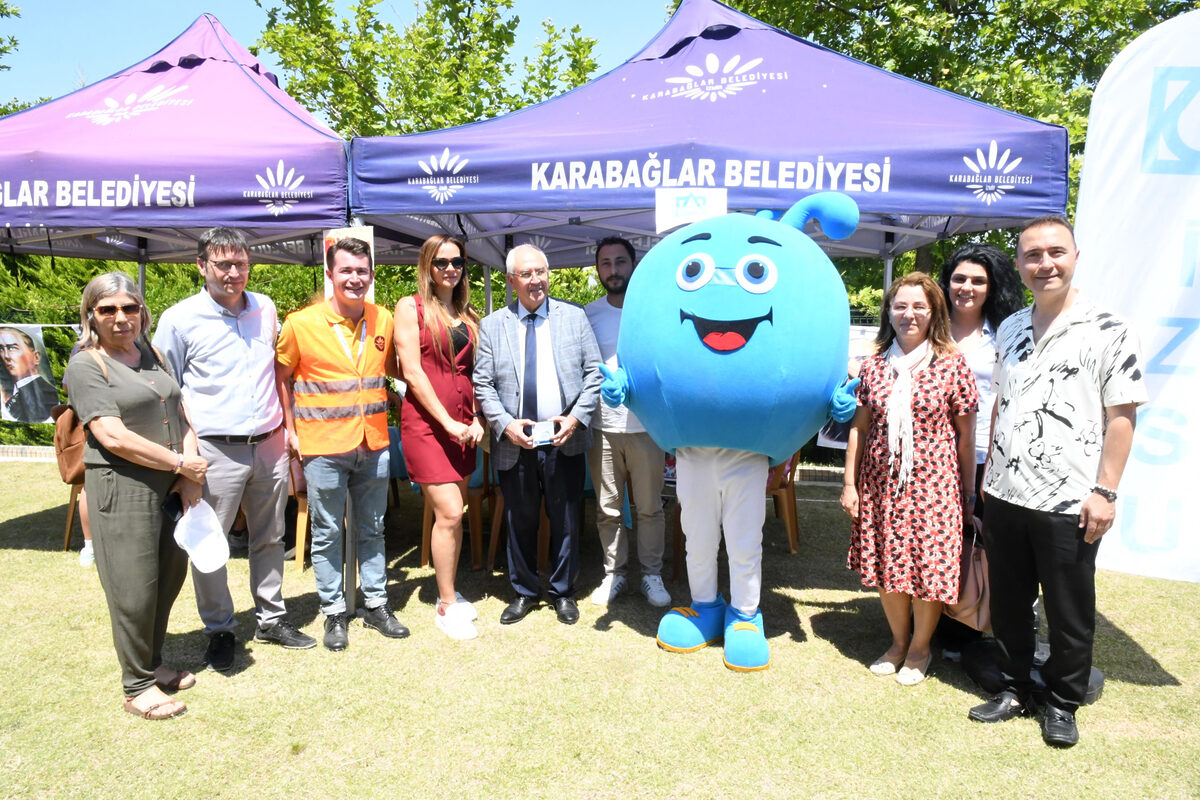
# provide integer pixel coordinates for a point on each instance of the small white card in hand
(542, 433)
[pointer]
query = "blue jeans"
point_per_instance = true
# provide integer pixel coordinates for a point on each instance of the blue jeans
(363, 474)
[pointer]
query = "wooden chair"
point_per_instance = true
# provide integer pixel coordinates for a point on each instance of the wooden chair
(781, 488)
(474, 510)
(543, 555)
(72, 504)
(303, 528)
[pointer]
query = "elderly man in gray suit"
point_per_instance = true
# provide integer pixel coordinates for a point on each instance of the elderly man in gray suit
(537, 384)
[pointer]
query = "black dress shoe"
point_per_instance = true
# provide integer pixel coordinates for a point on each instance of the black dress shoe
(518, 609)
(335, 632)
(1058, 727)
(1001, 708)
(382, 619)
(219, 654)
(568, 612)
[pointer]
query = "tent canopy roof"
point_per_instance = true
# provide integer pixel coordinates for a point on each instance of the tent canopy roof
(717, 106)
(196, 135)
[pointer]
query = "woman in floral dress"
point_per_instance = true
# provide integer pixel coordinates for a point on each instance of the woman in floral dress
(910, 470)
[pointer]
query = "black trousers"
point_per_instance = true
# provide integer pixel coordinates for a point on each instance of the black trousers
(543, 473)
(1026, 548)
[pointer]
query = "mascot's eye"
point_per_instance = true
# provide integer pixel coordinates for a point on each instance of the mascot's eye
(756, 274)
(695, 271)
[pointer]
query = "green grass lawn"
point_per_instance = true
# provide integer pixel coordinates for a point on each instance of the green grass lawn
(543, 710)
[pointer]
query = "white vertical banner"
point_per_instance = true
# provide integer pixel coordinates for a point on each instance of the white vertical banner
(1138, 230)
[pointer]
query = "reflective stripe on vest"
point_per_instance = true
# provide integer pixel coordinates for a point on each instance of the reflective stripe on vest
(339, 405)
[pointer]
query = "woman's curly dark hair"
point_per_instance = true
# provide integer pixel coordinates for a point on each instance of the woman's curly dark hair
(1005, 292)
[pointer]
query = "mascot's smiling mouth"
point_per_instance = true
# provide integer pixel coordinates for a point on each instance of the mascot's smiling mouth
(724, 336)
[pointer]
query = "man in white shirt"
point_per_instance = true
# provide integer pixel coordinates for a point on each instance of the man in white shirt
(622, 451)
(537, 382)
(220, 343)
(1069, 381)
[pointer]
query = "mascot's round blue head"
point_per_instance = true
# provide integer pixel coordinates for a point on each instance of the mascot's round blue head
(735, 330)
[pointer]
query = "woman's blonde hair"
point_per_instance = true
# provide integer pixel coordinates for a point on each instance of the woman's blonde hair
(97, 289)
(939, 317)
(439, 318)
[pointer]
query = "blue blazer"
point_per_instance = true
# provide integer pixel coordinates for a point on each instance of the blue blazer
(498, 386)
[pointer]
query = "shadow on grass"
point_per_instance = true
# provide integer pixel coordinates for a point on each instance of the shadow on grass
(40, 530)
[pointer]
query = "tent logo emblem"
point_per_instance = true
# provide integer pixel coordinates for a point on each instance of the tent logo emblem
(991, 174)
(443, 176)
(715, 81)
(279, 189)
(134, 105)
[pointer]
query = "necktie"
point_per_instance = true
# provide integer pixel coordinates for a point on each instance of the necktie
(529, 385)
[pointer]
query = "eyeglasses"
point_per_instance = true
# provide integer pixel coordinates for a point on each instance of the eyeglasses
(458, 262)
(917, 309)
(526, 274)
(225, 266)
(129, 309)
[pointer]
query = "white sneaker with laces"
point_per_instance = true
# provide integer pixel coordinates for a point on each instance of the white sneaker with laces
(656, 594)
(459, 600)
(455, 621)
(609, 588)
(87, 556)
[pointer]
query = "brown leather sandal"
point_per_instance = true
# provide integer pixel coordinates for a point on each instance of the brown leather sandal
(153, 713)
(182, 680)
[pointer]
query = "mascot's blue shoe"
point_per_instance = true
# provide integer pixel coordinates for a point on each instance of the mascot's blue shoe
(746, 647)
(686, 629)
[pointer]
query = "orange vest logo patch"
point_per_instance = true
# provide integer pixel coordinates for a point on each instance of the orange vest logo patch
(380, 343)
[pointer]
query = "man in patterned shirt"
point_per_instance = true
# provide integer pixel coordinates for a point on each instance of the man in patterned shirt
(1069, 381)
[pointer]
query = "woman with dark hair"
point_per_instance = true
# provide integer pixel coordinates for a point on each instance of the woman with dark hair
(982, 289)
(436, 332)
(910, 460)
(139, 449)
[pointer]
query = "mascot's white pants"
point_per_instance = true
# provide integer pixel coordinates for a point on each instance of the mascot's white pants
(723, 489)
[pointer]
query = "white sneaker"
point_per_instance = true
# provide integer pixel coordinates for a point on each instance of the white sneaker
(455, 621)
(609, 588)
(656, 594)
(87, 556)
(459, 600)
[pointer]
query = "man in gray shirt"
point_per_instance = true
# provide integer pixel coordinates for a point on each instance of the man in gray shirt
(220, 343)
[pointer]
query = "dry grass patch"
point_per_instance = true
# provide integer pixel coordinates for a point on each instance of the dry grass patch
(543, 710)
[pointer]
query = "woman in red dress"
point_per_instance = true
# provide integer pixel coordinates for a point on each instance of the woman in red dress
(436, 332)
(910, 470)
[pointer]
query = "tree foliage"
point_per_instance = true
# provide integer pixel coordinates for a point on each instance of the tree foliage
(1040, 58)
(450, 66)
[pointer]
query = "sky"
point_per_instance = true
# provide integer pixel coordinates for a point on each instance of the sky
(66, 44)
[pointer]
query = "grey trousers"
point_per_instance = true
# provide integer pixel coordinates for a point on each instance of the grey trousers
(141, 568)
(253, 477)
(613, 459)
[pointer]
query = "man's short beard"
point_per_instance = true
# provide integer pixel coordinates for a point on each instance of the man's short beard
(620, 289)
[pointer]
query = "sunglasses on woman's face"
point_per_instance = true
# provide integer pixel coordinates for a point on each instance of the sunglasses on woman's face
(458, 262)
(129, 309)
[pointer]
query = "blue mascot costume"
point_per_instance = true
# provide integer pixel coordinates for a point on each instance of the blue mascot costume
(732, 352)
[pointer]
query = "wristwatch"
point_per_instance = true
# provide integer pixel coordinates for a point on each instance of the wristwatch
(1108, 494)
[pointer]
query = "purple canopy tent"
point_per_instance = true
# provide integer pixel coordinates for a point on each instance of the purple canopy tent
(718, 104)
(136, 166)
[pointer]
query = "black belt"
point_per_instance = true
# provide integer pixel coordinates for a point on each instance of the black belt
(252, 439)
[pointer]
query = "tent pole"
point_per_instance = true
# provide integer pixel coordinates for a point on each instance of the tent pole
(142, 265)
(487, 289)
(887, 272)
